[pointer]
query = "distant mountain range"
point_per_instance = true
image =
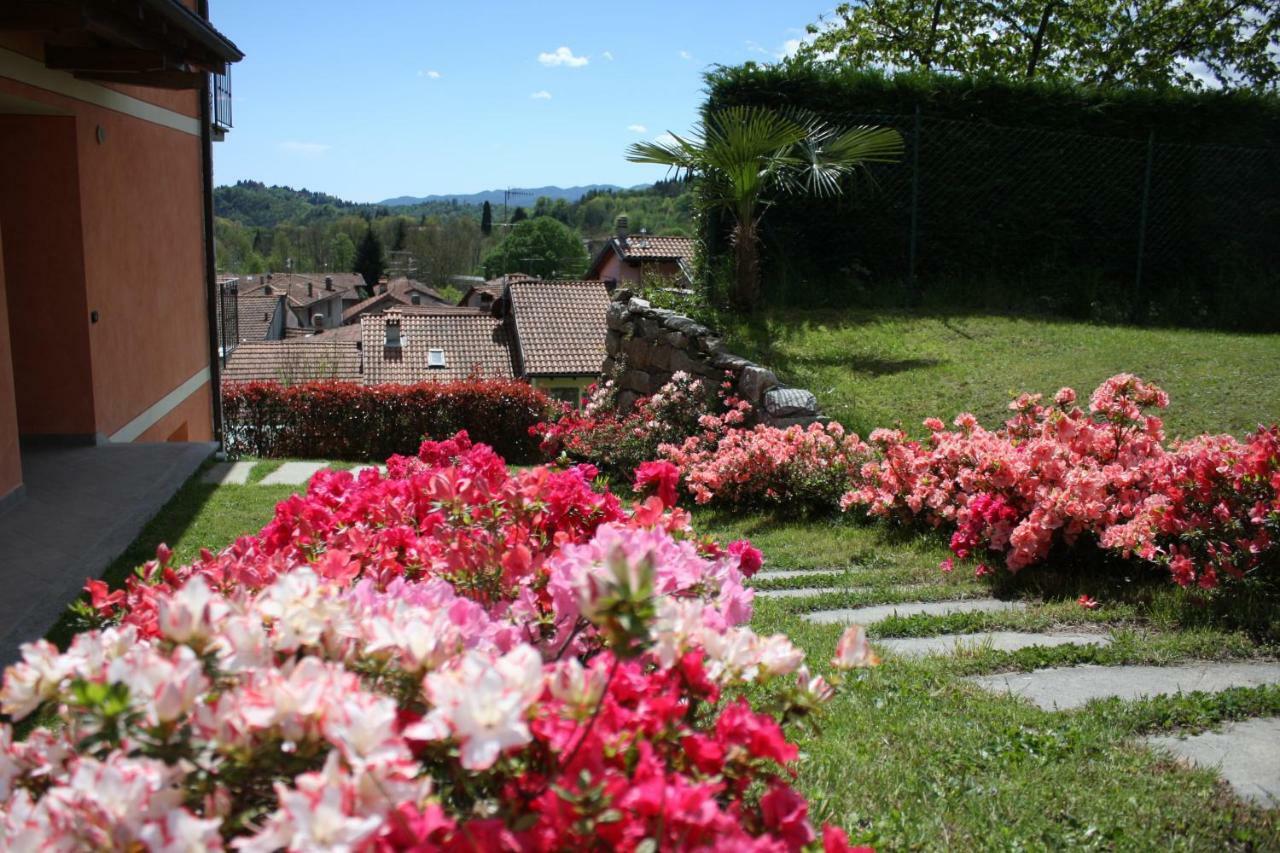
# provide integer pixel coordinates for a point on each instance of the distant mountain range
(519, 196)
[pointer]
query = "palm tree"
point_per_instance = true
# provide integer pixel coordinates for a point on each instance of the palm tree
(745, 156)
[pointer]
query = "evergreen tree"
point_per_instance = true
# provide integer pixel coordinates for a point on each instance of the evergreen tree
(399, 233)
(486, 219)
(369, 261)
(519, 216)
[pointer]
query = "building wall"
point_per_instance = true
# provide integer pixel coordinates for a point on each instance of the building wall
(10, 460)
(142, 207)
(138, 262)
(44, 275)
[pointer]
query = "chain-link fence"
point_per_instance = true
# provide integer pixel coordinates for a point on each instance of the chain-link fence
(986, 214)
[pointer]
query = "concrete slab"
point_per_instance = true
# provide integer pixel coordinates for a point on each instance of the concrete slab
(1072, 686)
(1246, 753)
(880, 612)
(1003, 641)
(781, 574)
(293, 474)
(83, 507)
(228, 473)
(805, 592)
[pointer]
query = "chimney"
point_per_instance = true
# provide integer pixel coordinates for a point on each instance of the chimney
(328, 282)
(268, 276)
(311, 290)
(268, 290)
(393, 333)
(317, 320)
(621, 223)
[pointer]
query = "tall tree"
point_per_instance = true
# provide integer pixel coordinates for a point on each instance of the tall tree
(1137, 43)
(342, 252)
(540, 246)
(519, 215)
(486, 219)
(369, 261)
(746, 156)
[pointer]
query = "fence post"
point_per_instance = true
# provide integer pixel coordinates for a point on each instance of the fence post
(912, 285)
(1138, 311)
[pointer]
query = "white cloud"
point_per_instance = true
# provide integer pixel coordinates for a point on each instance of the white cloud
(788, 48)
(686, 55)
(608, 54)
(637, 128)
(433, 75)
(665, 139)
(562, 56)
(305, 149)
(541, 95)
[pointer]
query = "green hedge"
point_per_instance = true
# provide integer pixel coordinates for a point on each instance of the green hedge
(1031, 195)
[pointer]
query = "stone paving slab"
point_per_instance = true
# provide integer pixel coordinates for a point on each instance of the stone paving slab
(1246, 753)
(779, 574)
(1073, 686)
(806, 591)
(228, 474)
(293, 473)
(880, 612)
(1002, 641)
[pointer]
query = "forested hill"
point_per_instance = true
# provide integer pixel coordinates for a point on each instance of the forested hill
(257, 205)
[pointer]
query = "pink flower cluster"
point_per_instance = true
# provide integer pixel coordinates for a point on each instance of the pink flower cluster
(454, 657)
(796, 466)
(617, 442)
(1205, 508)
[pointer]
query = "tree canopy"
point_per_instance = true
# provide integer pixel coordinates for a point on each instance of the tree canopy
(540, 246)
(1147, 43)
(369, 261)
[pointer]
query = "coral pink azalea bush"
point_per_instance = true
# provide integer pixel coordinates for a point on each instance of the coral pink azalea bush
(1207, 509)
(454, 657)
(618, 442)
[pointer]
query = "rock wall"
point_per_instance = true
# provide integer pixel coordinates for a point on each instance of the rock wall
(646, 345)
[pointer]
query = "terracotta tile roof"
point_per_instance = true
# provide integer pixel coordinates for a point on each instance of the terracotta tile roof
(294, 285)
(647, 247)
(375, 304)
(293, 361)
(637, 248)
(400, 291)
(474, 344)
(442, 310)
(255, 316)
(560, 326)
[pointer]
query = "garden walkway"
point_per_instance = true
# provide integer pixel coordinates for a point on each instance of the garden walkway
(1247, 753)
(288, 474)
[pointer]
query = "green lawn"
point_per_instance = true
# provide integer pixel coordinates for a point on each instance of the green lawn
(915, 758)
(878, 369)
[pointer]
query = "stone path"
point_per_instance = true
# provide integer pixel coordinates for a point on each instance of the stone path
(783, 574)
(880, 612)
(1246, 753)
(293, 473)
(1001, 641)
(288, 474)
(1060, 688)
(806, 591)
(228, 473)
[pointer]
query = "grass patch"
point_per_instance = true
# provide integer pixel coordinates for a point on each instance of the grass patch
(872, 369)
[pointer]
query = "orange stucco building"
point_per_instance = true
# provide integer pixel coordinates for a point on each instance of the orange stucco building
(107, 117)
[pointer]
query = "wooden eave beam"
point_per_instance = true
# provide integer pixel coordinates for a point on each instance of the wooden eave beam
(79, 58)
(39, 17)
(170, 78)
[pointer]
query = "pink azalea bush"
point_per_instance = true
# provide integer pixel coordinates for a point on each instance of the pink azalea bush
(617, 442)
(453, 657)
(1207, 508)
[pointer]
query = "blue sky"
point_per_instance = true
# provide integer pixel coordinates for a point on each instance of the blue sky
(382, 98)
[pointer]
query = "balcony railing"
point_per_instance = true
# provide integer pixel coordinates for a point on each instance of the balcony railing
(220, 94)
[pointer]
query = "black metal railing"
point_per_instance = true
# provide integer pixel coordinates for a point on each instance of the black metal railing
(220, 93)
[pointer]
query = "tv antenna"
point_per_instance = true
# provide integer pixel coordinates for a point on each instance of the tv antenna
(506, 197)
